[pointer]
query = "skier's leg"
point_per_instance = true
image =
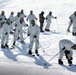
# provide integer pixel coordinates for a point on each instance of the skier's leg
(74, 31)
(6, 40)
(41, 27)
(2, 41)
(60, 57)
(61, 47)
(21, 37)
(71, 54)
(47, 27)
(15, 37)
(31, 45)
(36, 45)
(68, 56)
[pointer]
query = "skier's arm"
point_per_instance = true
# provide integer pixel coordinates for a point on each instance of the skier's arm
(70, 23)
(38, 31)
(53, 17)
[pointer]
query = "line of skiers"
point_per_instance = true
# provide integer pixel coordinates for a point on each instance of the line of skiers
(15, 25)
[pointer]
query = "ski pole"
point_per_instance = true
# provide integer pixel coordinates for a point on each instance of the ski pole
(26, 37)
(57, 24)
(53, 57)
(67, 32)
(40, 45)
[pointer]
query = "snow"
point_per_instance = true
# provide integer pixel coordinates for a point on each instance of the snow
(17, 61)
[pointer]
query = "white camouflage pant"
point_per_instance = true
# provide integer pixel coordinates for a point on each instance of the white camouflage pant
(18, 33)
(4, 39)
(48, 24)
(32, 40)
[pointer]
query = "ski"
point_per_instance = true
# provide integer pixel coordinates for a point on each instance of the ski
(68, 65)
(72, 65)
(35, 55)
(31, 55)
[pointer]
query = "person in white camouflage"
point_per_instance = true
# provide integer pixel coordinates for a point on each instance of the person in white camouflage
(33, 32)
(66, 47)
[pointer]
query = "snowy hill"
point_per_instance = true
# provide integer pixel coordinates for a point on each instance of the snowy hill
(17, 61)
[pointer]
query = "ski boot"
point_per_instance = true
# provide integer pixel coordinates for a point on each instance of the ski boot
(60, 62)
(69, 62)
(47, 30)
(6, 46)
(71, 58)
(30, 52)
(13, 43)
(2, 46)
(36, 51)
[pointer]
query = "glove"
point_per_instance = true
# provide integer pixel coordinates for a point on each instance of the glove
(71, 21)
(35, 36)
(36, 18)
(63, 48)
(25, 16)
(14, 29)
(26, 24)
(68, 30)
(11, 21)
(28, 34)
(16, 25)
(46, 18)
(6, 33)
(55, 17)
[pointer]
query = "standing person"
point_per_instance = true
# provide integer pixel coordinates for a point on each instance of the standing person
(17, 17)
(33, 32)
(48, 20)
(22, 13)
(41, 20)
(72, 22)
(5, 34)
(31, 16)
(11, 17)
(18, 30)
(2, 18)
(66, 47)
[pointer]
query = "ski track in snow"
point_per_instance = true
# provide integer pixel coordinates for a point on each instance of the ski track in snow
(17, 61)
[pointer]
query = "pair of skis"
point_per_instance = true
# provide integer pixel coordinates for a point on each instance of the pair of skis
(35, 54)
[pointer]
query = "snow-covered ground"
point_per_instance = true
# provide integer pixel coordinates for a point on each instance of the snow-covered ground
(17, 61)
